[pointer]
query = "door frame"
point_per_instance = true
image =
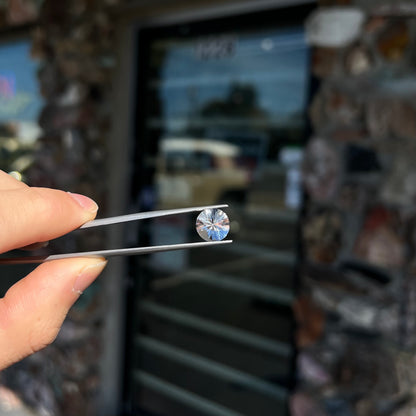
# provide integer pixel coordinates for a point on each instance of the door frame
(129, 20)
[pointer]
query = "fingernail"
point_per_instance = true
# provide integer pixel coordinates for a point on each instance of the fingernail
(84, 202)
(87, 276)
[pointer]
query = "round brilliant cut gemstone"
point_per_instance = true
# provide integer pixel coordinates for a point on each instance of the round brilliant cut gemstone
(212, 224)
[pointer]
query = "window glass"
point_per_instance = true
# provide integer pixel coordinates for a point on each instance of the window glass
(225, 106)
(222, 121)
(20, 104)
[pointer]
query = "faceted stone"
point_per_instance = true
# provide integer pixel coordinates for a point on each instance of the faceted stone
(212, 224)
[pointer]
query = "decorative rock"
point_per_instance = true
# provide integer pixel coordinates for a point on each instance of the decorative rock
(324, 61)
(310, 321)
(302, 404)
(399, 187)
(394, 41)
(358, 227)
(358, 60)
(321, 170)
(367, 367)
(74, 40)
(342, 108)
(378, 116)
(375, 24)
(20, 12)
(387, 117)
(331, 106)
(403, 120)
(352, 197)
(54, 119)
(379, 242)
(322, 235)
(311, 370)
(349, 134)
(51, 81)
(334, 27)
(74, 94)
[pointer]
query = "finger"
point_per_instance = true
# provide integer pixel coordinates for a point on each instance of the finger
(32, 311)
(8, 182)
(30, 215)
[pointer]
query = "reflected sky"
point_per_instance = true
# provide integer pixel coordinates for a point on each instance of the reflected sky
(274, 62)
(19, 91)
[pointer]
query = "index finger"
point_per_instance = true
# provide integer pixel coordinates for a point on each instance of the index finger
(8, 182)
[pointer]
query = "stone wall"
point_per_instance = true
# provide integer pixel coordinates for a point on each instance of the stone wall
(73, 43)
(357, 302)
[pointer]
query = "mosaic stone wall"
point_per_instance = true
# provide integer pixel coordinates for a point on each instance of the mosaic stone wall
(73, 41)
(357, 302)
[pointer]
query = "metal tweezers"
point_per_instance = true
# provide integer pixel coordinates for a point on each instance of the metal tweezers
(123, 251)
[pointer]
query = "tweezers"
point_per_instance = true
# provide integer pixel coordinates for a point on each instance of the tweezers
(123, 251)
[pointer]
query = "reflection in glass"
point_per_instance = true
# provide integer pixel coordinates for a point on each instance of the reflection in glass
(20, 104)
(245, 90)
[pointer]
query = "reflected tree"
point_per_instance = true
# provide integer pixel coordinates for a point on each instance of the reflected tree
(241, 101)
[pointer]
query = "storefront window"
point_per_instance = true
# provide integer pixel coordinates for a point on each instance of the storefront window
(221, 120)
(224, 107)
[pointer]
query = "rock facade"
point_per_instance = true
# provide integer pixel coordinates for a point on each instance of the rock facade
(356, 305)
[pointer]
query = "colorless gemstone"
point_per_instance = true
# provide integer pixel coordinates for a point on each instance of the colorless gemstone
(212, 224)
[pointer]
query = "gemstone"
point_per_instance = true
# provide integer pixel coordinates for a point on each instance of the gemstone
(212, 224)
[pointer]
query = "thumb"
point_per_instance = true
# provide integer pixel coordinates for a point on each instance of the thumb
(33, 310)
(32, 215)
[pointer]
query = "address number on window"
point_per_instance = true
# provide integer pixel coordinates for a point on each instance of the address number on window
(216, 47)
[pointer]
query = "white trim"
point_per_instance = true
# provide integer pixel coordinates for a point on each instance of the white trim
(114, 278)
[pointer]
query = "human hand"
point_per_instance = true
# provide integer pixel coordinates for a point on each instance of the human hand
(33, 310)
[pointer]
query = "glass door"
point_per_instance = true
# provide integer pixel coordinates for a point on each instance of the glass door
(221, 119)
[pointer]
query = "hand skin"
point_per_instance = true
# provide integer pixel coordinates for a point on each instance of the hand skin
(33, 310)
